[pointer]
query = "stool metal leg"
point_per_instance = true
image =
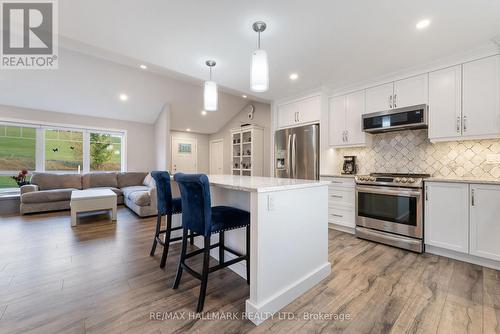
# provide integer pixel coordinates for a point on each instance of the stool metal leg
(166, 245)
(204, 275)
(182, 258)
(157, 233)
(248, 254)
(221, 247)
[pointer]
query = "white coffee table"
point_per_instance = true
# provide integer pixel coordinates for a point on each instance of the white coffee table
(92, 200)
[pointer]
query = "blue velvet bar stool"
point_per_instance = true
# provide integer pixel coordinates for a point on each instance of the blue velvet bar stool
(166, 206)
(199, 217)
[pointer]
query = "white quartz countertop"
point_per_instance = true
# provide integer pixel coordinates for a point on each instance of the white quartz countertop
(480, 180)
(261, 183)
(347, 176)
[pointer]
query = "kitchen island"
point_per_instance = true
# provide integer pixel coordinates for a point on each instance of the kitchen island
(289, 237)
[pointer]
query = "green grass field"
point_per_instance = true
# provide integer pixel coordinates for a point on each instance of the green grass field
(63, 151)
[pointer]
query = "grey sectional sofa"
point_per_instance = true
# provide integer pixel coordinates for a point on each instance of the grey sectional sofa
(50, 192)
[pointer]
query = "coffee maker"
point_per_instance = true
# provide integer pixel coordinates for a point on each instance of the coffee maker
(349, 166)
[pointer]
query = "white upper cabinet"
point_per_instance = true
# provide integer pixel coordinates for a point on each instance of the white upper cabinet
(379, 98)
(484, 221)
(411, 91)
(355, 108)
(447, 215)
(345, 120)
(481, 98)
(337, 121)
(307, 110)
(445, 103)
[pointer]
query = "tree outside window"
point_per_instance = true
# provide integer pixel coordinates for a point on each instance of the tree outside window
(105, 152)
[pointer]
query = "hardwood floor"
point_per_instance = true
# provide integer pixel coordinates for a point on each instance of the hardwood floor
(99, 278)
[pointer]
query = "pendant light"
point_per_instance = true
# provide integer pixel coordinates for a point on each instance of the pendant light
(259, 75)
(210, 95)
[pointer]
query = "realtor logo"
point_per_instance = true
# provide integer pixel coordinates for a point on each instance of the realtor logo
(29, 34)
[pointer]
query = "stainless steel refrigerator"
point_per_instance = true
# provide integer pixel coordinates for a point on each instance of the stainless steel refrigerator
(296, 153)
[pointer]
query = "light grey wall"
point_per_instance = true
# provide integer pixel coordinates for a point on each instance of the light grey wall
(162, 139)
(262, 117)
(202, 149)
(140, 136)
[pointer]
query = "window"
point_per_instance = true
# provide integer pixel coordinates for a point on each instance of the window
(105, 152)
(63, 150)
(17, 148)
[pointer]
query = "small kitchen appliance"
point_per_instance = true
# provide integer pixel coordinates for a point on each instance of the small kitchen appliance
(349, 166)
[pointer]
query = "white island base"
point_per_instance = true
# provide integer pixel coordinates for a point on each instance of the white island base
(289, 237)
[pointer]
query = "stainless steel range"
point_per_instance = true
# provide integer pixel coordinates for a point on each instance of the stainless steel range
(389, 209)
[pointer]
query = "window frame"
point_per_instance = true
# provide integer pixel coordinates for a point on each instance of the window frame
(40, 144)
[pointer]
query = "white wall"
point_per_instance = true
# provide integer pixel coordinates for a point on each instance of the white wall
(262, 117)
(202, 148)
(162, 139)
(140, 137)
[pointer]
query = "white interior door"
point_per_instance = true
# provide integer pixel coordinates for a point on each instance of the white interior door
(184, 154)
(216, 157)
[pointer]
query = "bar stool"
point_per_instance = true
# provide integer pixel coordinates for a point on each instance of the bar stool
(199, 217)
(166, 206)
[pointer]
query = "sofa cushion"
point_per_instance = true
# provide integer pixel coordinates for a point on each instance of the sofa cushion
(149, 181)
(48, 181)
(117, 191)
(140, 198)
(129, 190)
(129, 179)
(94, 180)
(45, 196)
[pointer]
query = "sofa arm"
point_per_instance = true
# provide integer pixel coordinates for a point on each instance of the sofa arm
(28, 188)
(152, 195)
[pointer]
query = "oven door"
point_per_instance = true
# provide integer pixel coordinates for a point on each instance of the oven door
(390, 209)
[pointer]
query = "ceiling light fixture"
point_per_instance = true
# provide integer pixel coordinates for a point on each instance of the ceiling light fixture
(210, 96)
(123, 97)
(144, 67)
(244, 96)
(188, 129)
(203, 112)
(423, 24)
(259, 75)
(294, 76)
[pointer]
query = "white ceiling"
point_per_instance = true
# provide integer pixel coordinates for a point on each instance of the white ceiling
(327, 42)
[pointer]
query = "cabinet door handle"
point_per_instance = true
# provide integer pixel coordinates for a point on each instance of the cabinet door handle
(336, 196)
(473, 200)
(465, 123)
(394, 100)
(458, 124)
(346, 136)
(390, 101)
(335, 215)
(426, 193)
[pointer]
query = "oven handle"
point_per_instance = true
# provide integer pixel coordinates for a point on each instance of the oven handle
(389, 191)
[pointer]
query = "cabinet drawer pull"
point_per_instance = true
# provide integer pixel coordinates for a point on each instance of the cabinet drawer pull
(336, 196)
(336, 181)
(335, 215)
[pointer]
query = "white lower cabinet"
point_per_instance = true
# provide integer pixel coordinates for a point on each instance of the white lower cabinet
(485, 221)
(447, 216)
(341, 202)
(463, 218)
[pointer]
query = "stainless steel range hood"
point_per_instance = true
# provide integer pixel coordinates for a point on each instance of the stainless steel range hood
(413, 117)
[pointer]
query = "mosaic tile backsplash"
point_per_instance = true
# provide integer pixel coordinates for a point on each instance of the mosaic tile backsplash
(412, 152)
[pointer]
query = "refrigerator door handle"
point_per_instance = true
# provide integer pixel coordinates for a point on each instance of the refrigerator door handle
(294, 156)
(288, 161)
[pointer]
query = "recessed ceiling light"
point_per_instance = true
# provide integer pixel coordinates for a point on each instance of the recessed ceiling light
(203, 112)
(144, 67)
(188, 129)
(244, 96)
(123, 97)
(423, 24)
(294, 76)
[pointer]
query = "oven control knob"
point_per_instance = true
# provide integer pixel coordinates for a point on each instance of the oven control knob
(404, 180)
(411, 180)
(373, 178)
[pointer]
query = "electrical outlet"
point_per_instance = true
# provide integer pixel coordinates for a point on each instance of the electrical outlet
(493, 159)
(270, 203)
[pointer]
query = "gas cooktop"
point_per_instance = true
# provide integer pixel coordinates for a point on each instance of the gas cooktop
(408, 180)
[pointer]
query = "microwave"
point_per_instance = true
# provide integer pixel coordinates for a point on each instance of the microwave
(413, 117)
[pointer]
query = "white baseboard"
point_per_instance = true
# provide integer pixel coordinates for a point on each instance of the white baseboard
(341, 228)
(463, 257)
(286, 295)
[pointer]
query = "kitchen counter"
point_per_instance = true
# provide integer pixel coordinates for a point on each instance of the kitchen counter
(260, 183)
(288, 237)
(480, 180)
(350, 176)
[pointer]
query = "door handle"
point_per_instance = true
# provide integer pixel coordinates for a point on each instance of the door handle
(426, 193)
(298, 116)
(465, 123)
(394, 100)
(390, 101)
(294, 155)
(288, 156)
(346, 136)
(473, 200)
(458, 124)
